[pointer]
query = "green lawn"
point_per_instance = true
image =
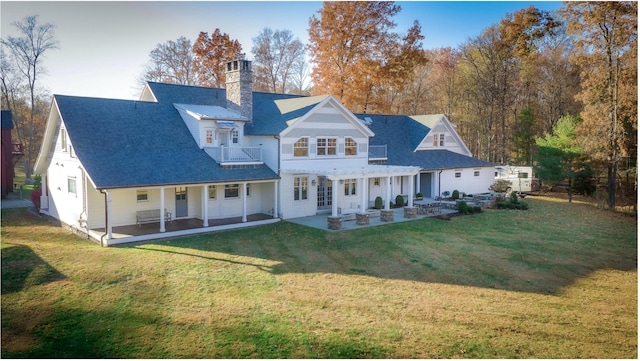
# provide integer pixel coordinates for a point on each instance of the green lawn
(557, 281)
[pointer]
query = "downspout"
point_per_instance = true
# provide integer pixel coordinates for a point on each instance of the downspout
(106, 218)
(275, 211)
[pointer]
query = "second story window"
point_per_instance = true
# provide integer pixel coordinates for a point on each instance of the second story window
(301, 148)
(350, 147)
(63, 140)
(208, 135)
(326, 146)
(438, 140)
(234, 136)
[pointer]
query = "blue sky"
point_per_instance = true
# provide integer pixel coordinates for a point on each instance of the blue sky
(105, 45)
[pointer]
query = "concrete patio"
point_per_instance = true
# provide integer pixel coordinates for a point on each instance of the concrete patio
(320, 220)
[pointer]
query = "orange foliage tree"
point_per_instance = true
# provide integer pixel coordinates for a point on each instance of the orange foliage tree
(212, 53)
(357, 59)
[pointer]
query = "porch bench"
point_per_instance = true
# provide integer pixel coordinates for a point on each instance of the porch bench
(151, 216)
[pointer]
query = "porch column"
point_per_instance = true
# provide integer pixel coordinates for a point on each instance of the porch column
(275, 199)
(418, 183)
(387, 191)
(205, 205)
(162, 207)
(363, 195)
(244, 202)
(392, 186)
(334, 198)
(411, 191)
(109, 226)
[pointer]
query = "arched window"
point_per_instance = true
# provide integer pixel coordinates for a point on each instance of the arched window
(301, 148)
(350, 146)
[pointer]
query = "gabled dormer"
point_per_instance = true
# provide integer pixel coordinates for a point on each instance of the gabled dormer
(442, 135)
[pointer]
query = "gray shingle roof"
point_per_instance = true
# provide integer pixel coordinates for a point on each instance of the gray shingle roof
(402, 135)
(124, 143)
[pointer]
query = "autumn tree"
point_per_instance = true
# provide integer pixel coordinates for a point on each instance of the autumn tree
(276, 55)
(211, 55)
(28, 51)
(172, 62)
(357, 58)
(605, 37)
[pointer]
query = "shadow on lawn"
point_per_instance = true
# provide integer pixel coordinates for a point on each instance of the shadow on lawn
(22, 268)
(538, 268)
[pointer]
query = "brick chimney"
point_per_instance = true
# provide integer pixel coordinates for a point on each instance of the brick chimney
(239, 92)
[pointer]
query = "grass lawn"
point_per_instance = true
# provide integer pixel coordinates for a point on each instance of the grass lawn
(557, 281)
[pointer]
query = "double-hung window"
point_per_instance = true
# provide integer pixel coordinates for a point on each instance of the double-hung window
(349, 187)
(71, 186)
(300, 188)
(234, 136)
(208, 135)
(326, 146)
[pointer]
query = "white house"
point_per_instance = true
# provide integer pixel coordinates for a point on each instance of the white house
(226, 158)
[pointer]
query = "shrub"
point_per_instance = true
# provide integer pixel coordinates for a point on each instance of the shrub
(513, 197)
(378, 203)
(419, 195)
(463, 207)
(477, 209)
(400, 201)
(455, 195)
(500, 186)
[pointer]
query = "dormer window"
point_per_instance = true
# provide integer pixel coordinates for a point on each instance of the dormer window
(234, 136)
(350, 146)
(438, 139)
(208, 136)
(301, 148)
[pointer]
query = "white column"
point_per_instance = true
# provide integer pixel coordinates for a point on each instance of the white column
(205, 205)
(411, 191)
(392, 185)
(334, 198)
(418, 189)
(244, 202)
(363, 195)
(275, 199)
(387, 190)
(162, 206)
(109, 226)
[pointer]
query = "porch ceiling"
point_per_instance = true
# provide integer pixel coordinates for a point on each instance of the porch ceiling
(368, 171)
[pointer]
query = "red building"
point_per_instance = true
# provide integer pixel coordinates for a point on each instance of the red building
(11, 153)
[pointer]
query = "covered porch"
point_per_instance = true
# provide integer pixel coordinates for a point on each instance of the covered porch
(176, 228)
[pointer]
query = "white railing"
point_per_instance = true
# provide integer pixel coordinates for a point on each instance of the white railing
(235, 154)
(377, 152)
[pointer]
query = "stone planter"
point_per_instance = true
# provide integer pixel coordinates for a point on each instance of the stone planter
(386, 216)
(334, 223)
(410, 212)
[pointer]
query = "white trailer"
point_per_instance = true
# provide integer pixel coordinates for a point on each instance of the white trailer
(521, 177)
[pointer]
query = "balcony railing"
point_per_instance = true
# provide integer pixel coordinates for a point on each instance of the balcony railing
(240, 155)
(378, 152)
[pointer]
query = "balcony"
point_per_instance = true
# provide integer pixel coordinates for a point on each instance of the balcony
(378, 152)
(235, 155)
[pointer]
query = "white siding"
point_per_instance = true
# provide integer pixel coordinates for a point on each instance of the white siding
(269, 145)
(467, 182)
(452, 141)
(301, 208)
